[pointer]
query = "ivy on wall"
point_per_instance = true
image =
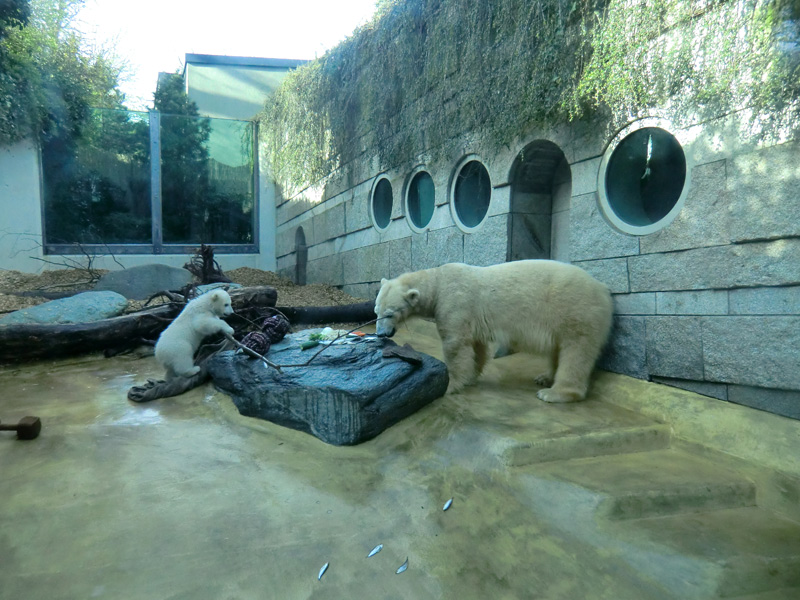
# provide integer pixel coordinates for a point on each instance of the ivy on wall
(424, 72)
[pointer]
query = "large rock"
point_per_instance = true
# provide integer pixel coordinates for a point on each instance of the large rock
(80, 308)
(139, 283)
(348, 395)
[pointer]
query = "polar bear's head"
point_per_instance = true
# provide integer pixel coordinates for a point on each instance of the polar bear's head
(395, 302)
(220, 303)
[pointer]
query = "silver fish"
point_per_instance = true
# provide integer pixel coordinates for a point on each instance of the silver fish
(322, 571)
(448, 504)
(402, 567)
(375, 550)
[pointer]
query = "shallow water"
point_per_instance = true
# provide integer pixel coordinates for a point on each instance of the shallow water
(183, 498)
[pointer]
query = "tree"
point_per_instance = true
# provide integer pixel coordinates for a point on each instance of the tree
(49, 77)
(185, 186)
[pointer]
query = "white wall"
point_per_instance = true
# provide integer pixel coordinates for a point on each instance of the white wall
(20, 208)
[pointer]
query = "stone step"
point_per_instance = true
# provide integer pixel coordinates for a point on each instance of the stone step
(717, 554)
(782, 594)
(656, 483)
(566, 446)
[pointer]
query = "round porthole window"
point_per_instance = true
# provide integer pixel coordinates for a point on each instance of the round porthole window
(420, 200)
(470, 194)
(381, 205)
(643, 180)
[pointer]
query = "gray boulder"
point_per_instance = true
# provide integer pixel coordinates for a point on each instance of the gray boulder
(348, 395)
(139, 283)
(80, 308)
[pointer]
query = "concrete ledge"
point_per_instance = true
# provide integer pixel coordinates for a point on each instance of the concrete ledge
(756, 436)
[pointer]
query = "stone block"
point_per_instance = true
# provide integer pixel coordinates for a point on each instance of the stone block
(487, 246)
(588, 138)
(626, 351)
(399, 252)
(357, 239)
(365, 291)
(752, 351)
(611, 271)
(559, 236)
(365, 265)
(584, 176)
(741, 265)
(765, 301)
(292, 209)
(501, 201)
(591, 237)
(325, 270)
(704, 302)
(634, 304)
(704, 218)
(779, 402)
(139, 283)
(712, 390)
(322, 250)
(674, 347)
(356, 212)
(435, 248)
(349, 395)
(764, 188)
(329, 224)
(286, 239)
(286, 262)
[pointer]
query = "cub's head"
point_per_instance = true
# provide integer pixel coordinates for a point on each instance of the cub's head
(395, 302)
(220, 303)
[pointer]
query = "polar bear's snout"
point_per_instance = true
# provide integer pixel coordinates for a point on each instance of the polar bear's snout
(385, 327)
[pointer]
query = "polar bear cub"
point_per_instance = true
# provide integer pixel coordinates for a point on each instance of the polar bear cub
(200, 318)
(528, 305)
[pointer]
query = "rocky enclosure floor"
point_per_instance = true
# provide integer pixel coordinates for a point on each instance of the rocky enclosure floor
(64, 280)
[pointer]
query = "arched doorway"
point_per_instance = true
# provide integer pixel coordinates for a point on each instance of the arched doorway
(301, 256)
(541, 184)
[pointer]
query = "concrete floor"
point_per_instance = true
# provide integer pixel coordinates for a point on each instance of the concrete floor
(640, 492)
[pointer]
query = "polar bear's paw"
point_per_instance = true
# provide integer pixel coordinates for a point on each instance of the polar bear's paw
(544, 380)
(555, 397)
(191, 372)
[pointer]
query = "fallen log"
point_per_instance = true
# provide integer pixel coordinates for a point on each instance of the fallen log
(34, 341)
(315, 315)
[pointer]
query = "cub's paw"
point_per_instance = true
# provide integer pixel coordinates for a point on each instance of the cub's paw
(555, 397)
(191, 372)
(454, 388)
(544, 380)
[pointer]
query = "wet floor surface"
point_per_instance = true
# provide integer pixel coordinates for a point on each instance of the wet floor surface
(182, 498)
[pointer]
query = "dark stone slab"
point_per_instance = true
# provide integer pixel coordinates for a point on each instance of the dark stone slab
(348, 395)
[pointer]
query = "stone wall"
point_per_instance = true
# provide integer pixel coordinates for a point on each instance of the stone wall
(710, 303)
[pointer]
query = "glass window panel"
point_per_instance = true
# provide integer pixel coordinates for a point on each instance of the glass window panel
(207, 180)
(97, 183)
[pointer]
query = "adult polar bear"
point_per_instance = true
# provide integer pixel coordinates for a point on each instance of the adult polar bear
(200, 318)
(527, 305)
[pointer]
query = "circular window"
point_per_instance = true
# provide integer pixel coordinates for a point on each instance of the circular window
(471, 192)
(643, 180)
(420, 200)
(381, 205)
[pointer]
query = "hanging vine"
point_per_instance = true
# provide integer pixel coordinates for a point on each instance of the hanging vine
(424, 72)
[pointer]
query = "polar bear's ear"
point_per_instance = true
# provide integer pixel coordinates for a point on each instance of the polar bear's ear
(412, 297)
(383, 281)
